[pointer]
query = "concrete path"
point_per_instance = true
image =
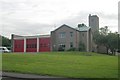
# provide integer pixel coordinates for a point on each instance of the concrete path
(20, 76)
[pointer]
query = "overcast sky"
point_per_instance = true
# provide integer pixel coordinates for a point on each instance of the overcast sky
(35, 17)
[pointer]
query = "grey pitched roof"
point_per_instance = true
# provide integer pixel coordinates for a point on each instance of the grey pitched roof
(64, 25)
(80, 29)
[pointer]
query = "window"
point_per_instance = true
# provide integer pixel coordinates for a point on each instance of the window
(15, 46)
(45, 45)
(71, 34)
(35, 45)
(62, 45)
(19, 46)
(83, 35)
(28, 46)
(3, 49)
(41, 45)
(62, 35)
(31, 46)
(71, 44)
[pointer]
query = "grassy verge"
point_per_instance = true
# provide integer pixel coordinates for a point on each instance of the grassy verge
(0, 61)
(64, 64)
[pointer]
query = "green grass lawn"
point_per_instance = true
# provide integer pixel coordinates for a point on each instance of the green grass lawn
(63, 64)
(0, 62)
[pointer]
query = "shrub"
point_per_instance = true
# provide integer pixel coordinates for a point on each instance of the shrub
(72, 49)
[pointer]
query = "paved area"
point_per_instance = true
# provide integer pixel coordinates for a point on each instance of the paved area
(8, 78)
(19, 76)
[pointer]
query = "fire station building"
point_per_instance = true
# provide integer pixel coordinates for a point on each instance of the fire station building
(64, 37)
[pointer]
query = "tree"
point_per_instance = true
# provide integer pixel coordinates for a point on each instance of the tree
(103, 36)
(112, 42)
(99, 39)
(6, 41)
(108, 39)
(118, 42)
(104, 30)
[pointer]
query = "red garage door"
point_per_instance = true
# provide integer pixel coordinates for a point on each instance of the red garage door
(44, 44)
(31, 45)
(18, 45)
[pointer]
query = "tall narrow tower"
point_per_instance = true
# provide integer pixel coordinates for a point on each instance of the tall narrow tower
(94, 22)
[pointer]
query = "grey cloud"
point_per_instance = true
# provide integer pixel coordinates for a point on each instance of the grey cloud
(24, 28)
(82, 17)
(73, 20)
(12, 6)
(109, 16)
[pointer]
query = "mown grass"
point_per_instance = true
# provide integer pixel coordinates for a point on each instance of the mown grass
(0, 61)
(63, 64)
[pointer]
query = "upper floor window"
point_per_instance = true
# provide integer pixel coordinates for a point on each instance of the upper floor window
(62, 35)
(71, 34)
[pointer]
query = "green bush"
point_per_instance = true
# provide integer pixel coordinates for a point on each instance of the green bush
(72, 49)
